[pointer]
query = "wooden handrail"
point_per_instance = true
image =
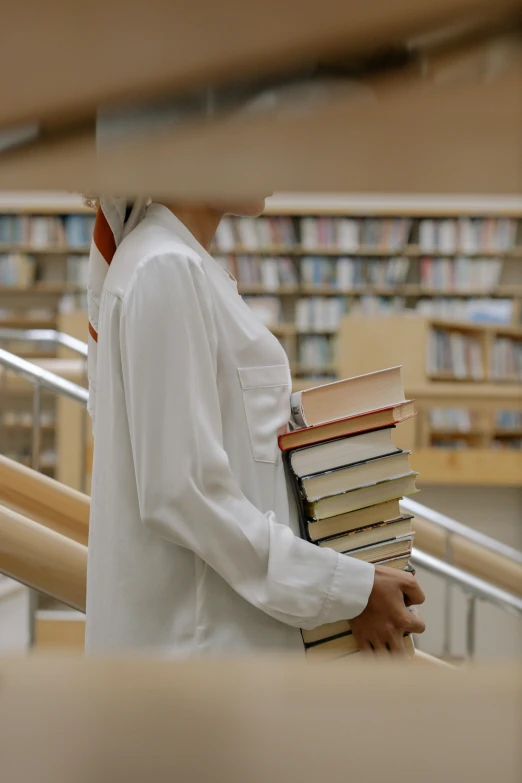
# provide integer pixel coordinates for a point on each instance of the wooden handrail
(44, 500)
(479, 561)
(66, 511)
(41, 558)
(34, 554)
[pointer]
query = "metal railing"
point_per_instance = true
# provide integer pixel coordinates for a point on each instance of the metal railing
(43, 379)
(44, 336)
(474, 587)
(466, 581)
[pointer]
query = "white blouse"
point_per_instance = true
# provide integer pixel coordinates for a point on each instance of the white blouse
(193, 545)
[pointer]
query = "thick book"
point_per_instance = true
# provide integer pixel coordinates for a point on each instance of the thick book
(349, 397)
(342, 452)
(377, 492)
(383, 531)
(375, 553)
(342, 646)
(352, 477)
(355, 520)
(386, 416)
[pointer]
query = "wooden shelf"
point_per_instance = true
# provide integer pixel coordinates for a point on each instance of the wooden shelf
(407, 289)
(499, 433)
(448, 376)
(364, 251)
(260, 290)
(43, 289)
(27, 427)
(383, 206)
(473, 467)
(465, 391)
(454, 433)
(304, 369)
(28, 323)
(49, 250)
(283, 329)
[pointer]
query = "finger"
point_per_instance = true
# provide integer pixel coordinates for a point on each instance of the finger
(396, 644)
(379, 648)
(413, 593)
(365, 646)
(415, 623)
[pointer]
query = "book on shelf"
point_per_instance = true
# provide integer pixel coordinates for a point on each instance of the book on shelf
(456, 354)
(474, 310)
(506, 359)
(316, 352)
(349, 234)
(43, 231)
(451, 419)
(460, 274)
(341, 399)
(467, 235)
(17, 270)
(269, 273)
(254, 233)
(508, 420)
(319, 314)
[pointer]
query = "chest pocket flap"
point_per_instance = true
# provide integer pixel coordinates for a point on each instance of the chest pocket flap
(266, 395)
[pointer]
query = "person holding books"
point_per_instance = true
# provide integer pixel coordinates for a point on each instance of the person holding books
(194, 543)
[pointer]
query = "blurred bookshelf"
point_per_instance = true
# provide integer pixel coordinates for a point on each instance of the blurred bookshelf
(308, 264)
(303, 267)
(466, 380)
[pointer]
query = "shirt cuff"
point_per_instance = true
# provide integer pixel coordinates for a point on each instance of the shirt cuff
(352, 584)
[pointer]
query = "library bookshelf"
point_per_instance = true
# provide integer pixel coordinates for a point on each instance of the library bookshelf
(469, 427)
(306, 265)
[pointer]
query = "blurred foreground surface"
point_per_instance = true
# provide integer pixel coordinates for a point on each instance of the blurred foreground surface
(65, 719)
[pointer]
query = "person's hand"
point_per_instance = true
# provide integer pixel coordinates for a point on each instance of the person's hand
(385, 620)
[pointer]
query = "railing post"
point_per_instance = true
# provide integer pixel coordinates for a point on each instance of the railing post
(36, 445)
(471, 617)
(448, 599)
(36, 440)
(84, 425)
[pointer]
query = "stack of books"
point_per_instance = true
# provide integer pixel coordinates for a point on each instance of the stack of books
(348, 478)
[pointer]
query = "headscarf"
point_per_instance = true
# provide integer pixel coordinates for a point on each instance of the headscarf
(115, 219)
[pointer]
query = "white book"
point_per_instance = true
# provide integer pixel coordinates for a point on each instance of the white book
(467, 236)
(247, 233)
(225, 239)
(345, 274)
(348, 234)
(448, 236)
(427, 236)
(309, 235)
(264, 237)
(270, 274)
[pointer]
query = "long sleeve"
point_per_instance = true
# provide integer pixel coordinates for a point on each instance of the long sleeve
(187, 492)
